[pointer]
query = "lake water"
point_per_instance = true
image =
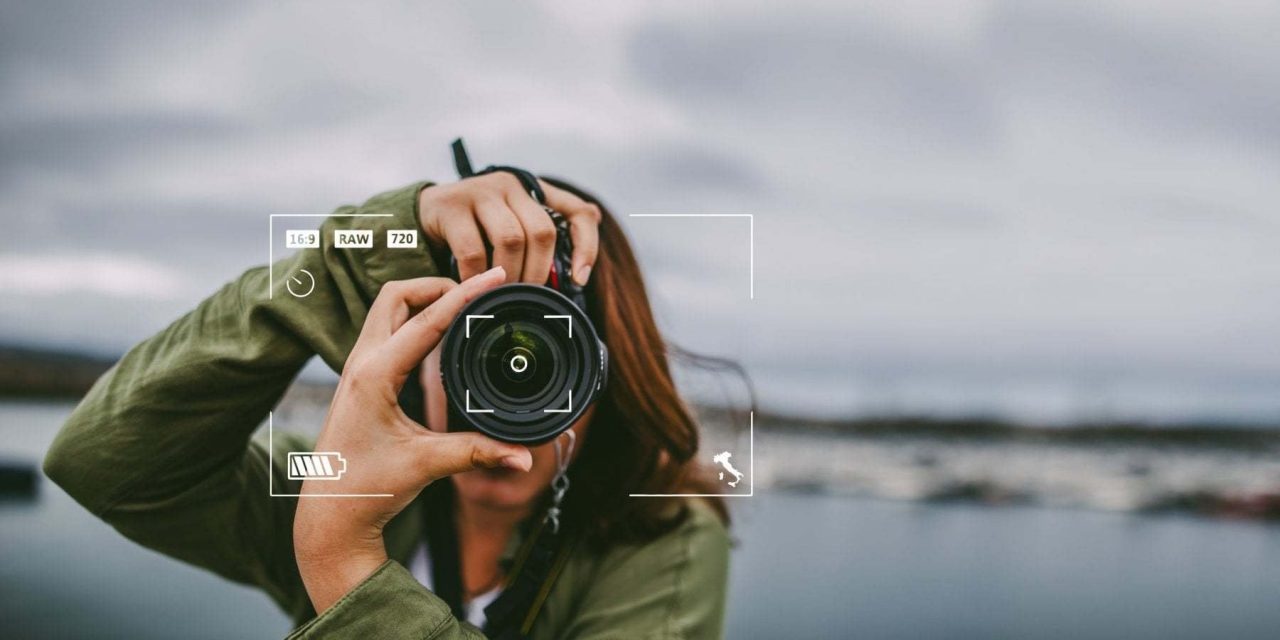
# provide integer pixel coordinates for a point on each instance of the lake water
(805, 567)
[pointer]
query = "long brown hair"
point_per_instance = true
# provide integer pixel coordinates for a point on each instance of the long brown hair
(643, 438)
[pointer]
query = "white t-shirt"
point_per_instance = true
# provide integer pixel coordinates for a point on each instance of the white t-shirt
(420, 567)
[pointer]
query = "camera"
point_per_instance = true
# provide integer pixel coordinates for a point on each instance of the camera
(522, 362)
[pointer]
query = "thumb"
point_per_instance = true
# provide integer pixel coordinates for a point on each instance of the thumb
(444, 454)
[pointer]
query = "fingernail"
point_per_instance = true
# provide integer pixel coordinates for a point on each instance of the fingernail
(516, 462)
(496, 272)
(584, 272)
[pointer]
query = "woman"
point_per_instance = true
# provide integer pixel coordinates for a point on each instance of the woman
(161, 449)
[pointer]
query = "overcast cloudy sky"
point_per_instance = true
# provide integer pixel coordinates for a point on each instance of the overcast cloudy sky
(1052, 211)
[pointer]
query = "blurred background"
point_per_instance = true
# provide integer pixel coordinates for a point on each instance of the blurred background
(1008, 291)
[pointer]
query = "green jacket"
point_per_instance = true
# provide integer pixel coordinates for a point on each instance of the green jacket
(161, 449)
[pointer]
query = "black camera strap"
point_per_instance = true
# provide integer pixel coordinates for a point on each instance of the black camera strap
(442, 546)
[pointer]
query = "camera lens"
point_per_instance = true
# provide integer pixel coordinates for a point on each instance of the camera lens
(521, 363)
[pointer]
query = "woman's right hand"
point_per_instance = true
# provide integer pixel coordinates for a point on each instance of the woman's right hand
(389, 457)
(494, 211)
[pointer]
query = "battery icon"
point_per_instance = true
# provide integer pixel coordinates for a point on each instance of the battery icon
(318, 465)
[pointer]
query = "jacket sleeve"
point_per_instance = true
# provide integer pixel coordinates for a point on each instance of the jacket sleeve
(390, 604)
(160, 447)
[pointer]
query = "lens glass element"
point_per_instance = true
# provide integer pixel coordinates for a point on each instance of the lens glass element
(519, 360)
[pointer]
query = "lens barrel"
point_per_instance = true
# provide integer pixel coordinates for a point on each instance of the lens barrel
(521, 363)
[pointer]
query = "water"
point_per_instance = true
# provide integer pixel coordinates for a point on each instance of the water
(878, 569)
(806, 567)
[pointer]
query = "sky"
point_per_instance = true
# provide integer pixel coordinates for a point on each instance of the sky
(1052, 212)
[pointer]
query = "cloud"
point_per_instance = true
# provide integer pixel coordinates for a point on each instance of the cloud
(1149, 78)
(842, 78)
(949, 201)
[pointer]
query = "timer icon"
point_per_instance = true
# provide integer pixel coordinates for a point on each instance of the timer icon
(301, 284)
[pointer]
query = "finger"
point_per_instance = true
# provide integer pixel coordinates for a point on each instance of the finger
(585, 233)
(539, 235)
(466, 245)
(437, 406)
(444, 454)
(505, 235)
(584, 228)
(399, 299)
(410, 344)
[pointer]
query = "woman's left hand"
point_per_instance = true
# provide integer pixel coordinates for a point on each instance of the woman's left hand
(338, 541)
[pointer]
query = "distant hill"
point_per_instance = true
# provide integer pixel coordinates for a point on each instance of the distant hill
(32, 372)
(1202, 433)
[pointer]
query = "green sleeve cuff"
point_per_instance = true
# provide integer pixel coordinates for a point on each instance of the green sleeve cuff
(390, 604)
